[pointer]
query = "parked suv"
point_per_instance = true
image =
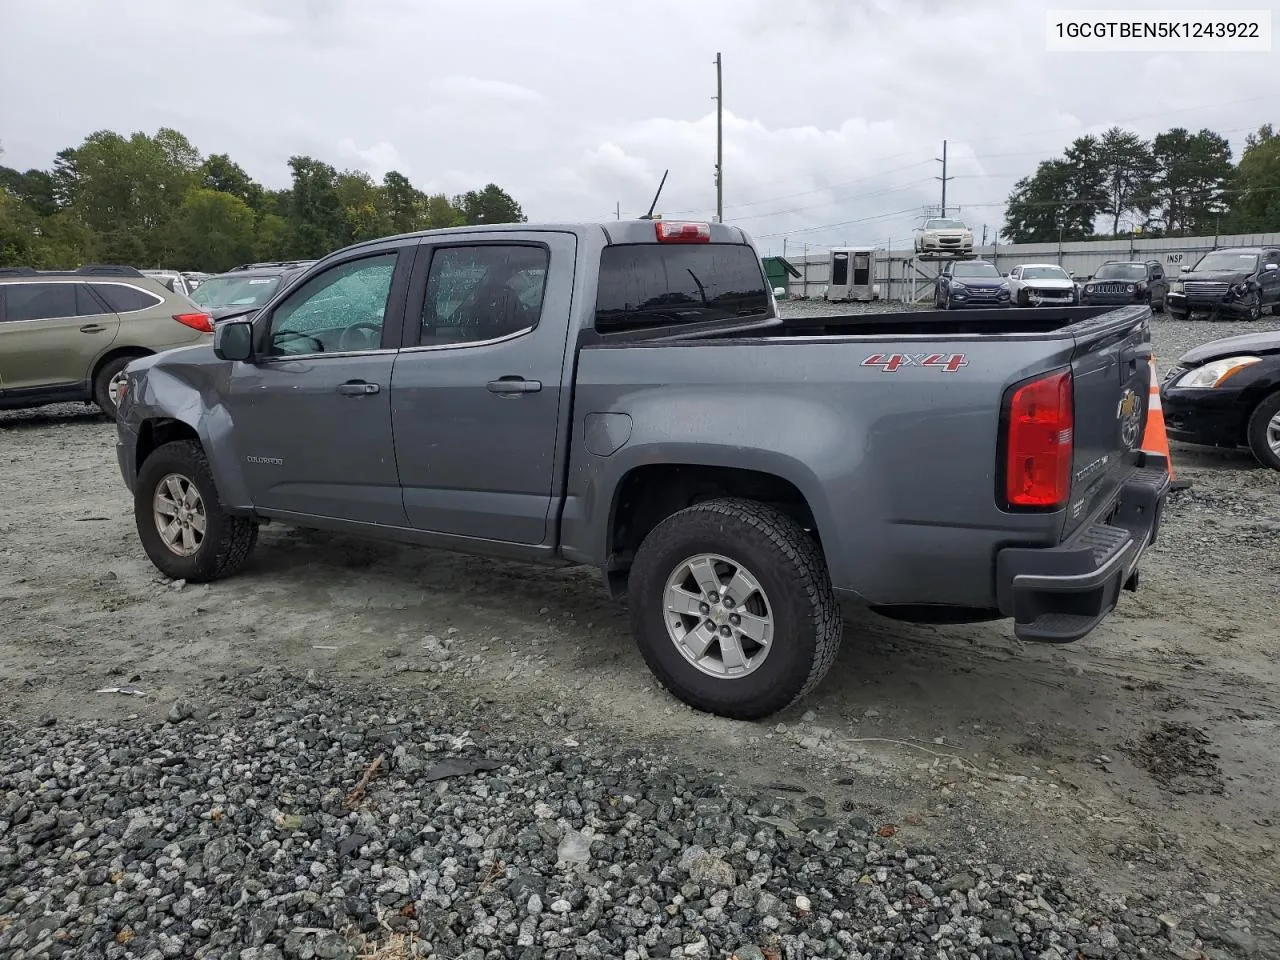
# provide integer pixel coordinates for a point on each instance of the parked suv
(248, 285)
(1128, 281)
(66, 335)
(970, 283)
(1237, 281)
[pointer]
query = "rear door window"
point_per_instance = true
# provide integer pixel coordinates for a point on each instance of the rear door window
(659, 285)
(40, 301)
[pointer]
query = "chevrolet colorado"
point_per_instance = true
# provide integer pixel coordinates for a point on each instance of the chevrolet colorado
(625, 395)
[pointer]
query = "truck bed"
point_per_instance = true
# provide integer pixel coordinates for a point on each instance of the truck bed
(1029, 320)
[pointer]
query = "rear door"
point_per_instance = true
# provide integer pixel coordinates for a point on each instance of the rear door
(476, 394)
(1270, 279)
(53, 333)
(1112, 377)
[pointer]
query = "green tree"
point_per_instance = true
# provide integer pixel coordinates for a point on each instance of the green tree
(1058, 202)
(316, 223)
(492, 205)
(1255, 190)
(219, 172)
(271, 237)
(402, 202)
(34, 188)
(364, 211)
(1127, 169)
(438, 212)
(211, 231)
(1193, 170)
(126, 190)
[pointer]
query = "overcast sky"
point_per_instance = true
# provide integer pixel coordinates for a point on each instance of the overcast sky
(835, 110)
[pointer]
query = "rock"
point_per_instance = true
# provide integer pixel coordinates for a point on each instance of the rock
(574, 847)
(748, 951)
(713, 871)
(181, 710)
(960, 882)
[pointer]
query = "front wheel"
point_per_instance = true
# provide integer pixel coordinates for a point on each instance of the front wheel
(1024, 299)
(1176, 314)
(1254, 308)
(181, 523)
(1264, 432)
(732, 608)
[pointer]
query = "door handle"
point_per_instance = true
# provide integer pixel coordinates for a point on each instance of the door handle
(509, 385)
(357, 388)
(92, 328)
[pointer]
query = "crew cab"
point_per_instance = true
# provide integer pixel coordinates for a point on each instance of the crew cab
(1236, 281)
(625, 395)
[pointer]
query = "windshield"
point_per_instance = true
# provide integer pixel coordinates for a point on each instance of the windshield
(1121, 271)
(1044, 273)
(235, 291)
(1224, 261)
(944, 225)
(975, 270)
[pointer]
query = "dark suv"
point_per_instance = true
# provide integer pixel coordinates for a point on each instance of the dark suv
(1128, 281)
(1237, 281)
(248, 285)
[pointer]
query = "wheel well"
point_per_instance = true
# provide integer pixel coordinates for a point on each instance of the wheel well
(649, 494)
(114, 354)
(156, 433)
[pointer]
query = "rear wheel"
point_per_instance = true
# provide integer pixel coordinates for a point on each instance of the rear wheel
(106, 384)
(732, 608)
(181, 523)
(1264, 431)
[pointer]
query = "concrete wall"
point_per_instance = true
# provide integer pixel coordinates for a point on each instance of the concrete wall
(901, 277)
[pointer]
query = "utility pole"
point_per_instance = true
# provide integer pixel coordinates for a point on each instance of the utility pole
(719, 144)
(617, 210)
(784, 248)
(984, 235)
(944, 178)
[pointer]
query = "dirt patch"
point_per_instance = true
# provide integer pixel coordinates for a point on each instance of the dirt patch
(1175, 755)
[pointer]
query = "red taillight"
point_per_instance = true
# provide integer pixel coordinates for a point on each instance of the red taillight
(1040, 443)
(196, 321)
(671, 232)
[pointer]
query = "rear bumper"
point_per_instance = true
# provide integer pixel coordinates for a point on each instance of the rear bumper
(1060, 594)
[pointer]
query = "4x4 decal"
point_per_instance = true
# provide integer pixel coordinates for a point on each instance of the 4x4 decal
(893, 362)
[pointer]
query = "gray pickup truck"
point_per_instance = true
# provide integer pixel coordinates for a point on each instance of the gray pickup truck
(626, 396)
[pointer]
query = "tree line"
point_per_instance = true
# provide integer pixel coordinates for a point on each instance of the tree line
(155, 201)
(1176, 184)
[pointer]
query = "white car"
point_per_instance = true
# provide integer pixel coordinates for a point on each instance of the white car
(942, 235)
(1042, 284)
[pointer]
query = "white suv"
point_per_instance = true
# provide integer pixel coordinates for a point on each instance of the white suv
(943, 235)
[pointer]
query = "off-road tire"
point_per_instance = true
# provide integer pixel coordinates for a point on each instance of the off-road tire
(790, 568)
(102, 383)
(228, 540)
(1257, 431)
(1179, 315)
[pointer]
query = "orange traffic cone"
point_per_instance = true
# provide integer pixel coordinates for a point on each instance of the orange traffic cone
(1155, 439)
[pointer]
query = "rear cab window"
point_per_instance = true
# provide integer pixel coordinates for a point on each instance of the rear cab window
(648, 285)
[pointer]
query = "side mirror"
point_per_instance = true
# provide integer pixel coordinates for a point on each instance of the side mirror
(233, 340)
(1185, 268)
(779, 291)
(1272, 266)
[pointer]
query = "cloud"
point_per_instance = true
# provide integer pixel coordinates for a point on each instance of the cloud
(835, 110)
(378, 160)
(475, 88)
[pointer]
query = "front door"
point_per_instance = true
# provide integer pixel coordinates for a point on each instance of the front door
(476, 395)
(312, 412)
(1269, 280)
(52, 334)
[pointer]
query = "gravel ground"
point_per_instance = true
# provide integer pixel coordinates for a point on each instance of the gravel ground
(947, 793)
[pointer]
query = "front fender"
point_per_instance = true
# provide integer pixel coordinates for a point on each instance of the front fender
(190, 394)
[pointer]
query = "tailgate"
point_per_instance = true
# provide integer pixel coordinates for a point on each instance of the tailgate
(1111, 370)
